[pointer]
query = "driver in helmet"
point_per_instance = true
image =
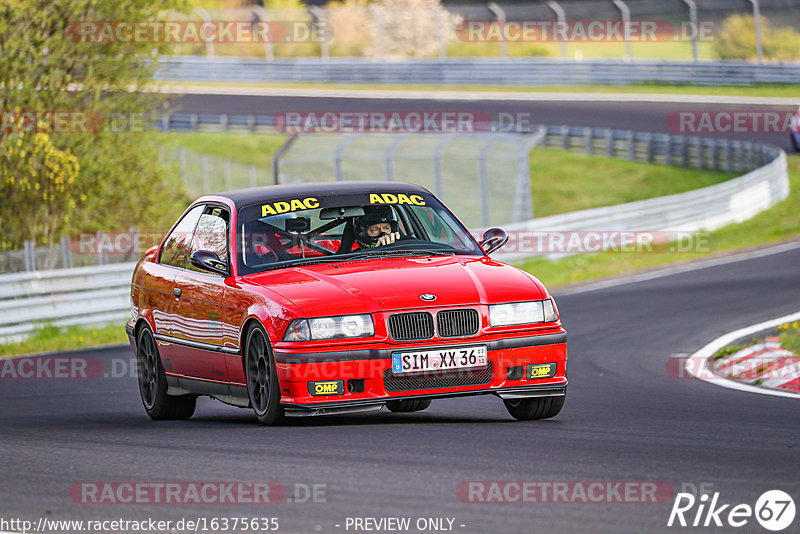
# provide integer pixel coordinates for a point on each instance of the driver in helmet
(378, 226)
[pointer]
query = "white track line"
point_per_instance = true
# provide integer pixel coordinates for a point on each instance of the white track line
(699, 359)
(518, 96)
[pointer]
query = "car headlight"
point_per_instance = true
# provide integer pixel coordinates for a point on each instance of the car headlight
(343, 326)
(537, 311)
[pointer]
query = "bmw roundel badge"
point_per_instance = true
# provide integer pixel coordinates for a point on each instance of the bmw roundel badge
(427, 296)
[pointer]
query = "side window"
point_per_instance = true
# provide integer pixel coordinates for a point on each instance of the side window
(177, 245)
(211, 234)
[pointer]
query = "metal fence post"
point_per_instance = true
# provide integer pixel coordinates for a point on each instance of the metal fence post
(276, 157)
(322, 19)
(648, 146)
(698, 148)
(484, 179)
(501, 20)
(438, 187)
(668, 150)
(66, 252)
(337, 161)
(564, 137)
(728, 156)
(269, 46)
(561, 15)
(587, 139)
(715, 155)
(684, 152)
(629, 137)
(626, 22)
(523, 209)
(29, 255)
(693, 22)
(757, 23)
(609, 141)
(207, 19)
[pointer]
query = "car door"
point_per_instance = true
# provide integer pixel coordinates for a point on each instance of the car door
(172, 260)
(198, 326)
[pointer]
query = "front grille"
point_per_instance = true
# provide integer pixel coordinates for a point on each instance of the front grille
(435, 380)
(457, 323)
(410, 326)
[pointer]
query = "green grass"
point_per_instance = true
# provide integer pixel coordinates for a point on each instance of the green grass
(49, 338)
(659, 50)
(245, 148)
(775, 91)
(779, 223)
(562, 182)
(790, 337)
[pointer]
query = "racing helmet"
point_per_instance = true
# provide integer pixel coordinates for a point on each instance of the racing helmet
(373, 215)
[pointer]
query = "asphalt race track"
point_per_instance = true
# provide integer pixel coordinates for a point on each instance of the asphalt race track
(641, 116)
(626, 419)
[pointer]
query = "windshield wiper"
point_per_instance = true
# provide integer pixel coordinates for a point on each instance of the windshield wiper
(308, 261)
(401, 252)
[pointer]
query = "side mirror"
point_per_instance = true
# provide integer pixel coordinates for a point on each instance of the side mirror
(209, 261)
(493, 239)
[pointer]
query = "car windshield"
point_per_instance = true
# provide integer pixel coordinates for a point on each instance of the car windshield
(318, 228)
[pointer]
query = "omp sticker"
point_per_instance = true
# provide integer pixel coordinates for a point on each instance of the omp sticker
(400, 198)
(546, 370)
(331, 387)
(295, 204)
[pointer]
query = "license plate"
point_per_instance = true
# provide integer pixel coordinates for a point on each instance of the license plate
(439, 360)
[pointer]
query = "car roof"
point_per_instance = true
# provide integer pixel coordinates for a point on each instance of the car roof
(244, 197)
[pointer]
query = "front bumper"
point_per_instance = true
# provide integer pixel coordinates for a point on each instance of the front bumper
(365, 382)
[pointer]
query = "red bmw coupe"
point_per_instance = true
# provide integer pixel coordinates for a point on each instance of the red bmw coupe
(338, 297)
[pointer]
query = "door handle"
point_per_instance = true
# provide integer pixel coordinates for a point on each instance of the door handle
(176, 292)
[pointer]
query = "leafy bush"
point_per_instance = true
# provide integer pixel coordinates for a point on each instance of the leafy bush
(106, 177)
(737, 40)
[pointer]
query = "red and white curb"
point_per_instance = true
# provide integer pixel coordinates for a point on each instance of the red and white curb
(765, 363)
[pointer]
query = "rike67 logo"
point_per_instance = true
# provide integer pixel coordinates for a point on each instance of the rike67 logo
(774, 510)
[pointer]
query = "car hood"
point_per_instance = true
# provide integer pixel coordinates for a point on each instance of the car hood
(372, 285)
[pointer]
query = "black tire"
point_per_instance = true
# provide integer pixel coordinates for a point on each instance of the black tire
(408, 405)
(263, 389)
(537, 408)
(153, 383)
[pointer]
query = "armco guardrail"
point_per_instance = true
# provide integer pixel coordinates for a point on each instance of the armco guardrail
(93, 295)
(471, 71)
(708, 208)
(81, 296)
